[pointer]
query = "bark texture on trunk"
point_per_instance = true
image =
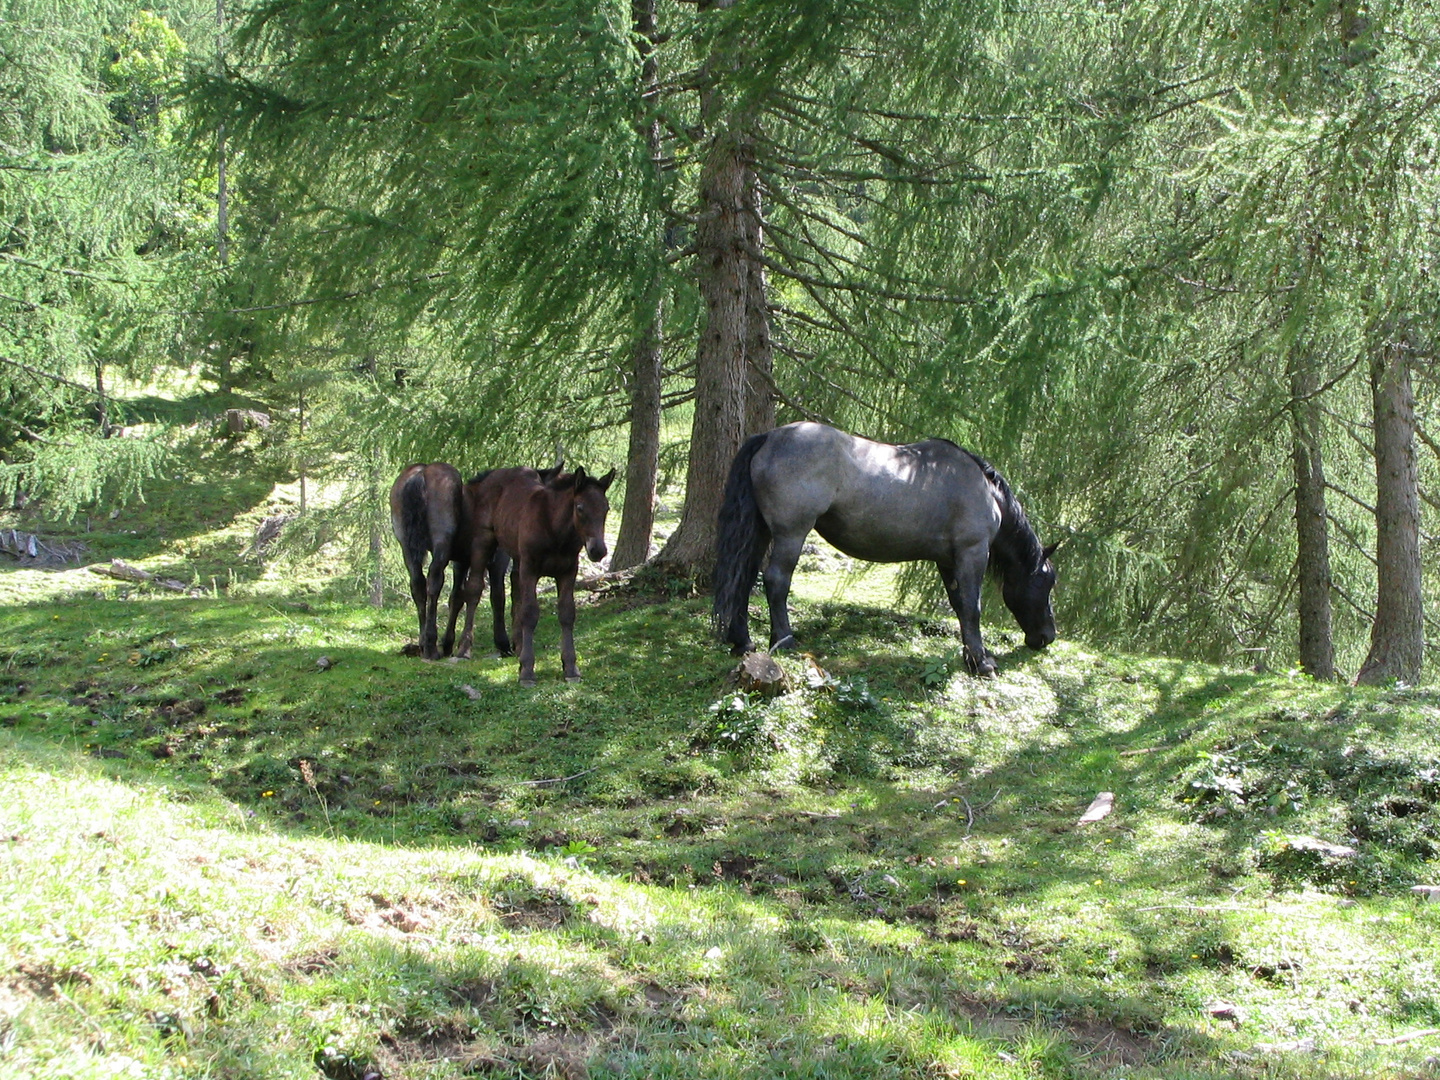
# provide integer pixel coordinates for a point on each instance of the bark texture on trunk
(759, 357)
(637, 518)
(1312, 536)
(725, 265)
(1397, 637)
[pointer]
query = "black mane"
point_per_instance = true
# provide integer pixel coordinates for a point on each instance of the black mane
(1015, 546)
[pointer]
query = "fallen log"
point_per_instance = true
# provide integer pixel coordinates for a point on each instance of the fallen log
(125, 572)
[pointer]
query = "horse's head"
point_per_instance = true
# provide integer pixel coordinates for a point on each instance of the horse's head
(1027, 595)
(589, 512)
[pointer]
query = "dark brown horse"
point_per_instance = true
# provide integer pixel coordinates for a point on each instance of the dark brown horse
(430, 515)
(543, 523)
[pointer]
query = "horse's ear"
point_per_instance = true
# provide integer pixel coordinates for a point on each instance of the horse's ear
(606, 480)
(1046, 553)
(579, 475)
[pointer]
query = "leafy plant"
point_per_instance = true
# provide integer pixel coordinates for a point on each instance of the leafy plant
(936, 671)
(855, 693)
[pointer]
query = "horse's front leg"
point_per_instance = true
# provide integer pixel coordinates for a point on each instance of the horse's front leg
(498, 566)
(527, 615)
(784, 554)
(565, 608)
(457, 600)
(963, 586)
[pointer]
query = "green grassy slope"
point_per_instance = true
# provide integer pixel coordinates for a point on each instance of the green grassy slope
(221, 860)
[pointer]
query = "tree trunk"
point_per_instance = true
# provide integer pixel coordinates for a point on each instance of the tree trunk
(375, 499)
(637, 517)
(637, 520)
(759, 357)
(1312, 537)
(222, 197)
(1397, 638)
(725, 265)
(102, 403)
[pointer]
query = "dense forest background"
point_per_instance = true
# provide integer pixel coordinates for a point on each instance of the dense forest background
(1167, 265)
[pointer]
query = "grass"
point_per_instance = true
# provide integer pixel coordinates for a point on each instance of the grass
(224, 861)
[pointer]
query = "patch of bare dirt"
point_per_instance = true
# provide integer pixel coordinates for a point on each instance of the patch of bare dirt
(314, 962)
(533, 912)
(1103, 1045)
(738, 868)
(400, 915)
(410, 1049)
(560, 1054)
(41, 979)
(476, 993)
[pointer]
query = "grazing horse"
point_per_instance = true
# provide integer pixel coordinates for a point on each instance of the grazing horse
(931, 501)
(430, 514)
(543, 524)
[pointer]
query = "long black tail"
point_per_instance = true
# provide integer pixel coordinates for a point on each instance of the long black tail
(741, 539)
(414, 522)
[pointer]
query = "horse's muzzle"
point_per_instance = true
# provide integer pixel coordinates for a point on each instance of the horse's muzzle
(596, 550)
(1039, 641)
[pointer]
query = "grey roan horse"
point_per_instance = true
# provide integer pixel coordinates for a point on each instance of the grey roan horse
(928, 501)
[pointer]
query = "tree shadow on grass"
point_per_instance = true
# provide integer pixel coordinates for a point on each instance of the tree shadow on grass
(982, 870)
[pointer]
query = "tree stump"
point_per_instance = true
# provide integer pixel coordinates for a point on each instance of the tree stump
(758, 673)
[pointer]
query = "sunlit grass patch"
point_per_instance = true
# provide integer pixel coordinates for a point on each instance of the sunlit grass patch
(426, 868)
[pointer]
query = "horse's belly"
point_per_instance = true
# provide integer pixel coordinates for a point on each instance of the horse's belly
(890, 542)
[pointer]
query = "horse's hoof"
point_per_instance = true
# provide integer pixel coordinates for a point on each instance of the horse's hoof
(527, 683)
(786, 642)
(572, 678)
(741, 650)
(463, 654)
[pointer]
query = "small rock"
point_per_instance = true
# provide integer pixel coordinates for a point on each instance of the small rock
(758, 673)
(713, 953)
(470, 691)
(1224, 1010)
(324, 663)
(1429, 893)
(1099, 808)
(1320, 847)
(1296, 1046)
(518, 823)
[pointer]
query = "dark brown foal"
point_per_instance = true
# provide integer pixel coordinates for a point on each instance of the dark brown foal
(543, 524)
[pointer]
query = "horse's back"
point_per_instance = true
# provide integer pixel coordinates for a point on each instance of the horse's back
(872, 500)
(426, 505)
(501, 500)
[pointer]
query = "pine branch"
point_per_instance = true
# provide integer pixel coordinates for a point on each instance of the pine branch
(67, 271)
(1353, 498)
(1350, 538)
(89, 391)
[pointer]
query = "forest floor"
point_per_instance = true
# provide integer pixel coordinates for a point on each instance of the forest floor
(223, 858)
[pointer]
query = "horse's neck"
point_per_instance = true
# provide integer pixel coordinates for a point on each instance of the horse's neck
(560, 521)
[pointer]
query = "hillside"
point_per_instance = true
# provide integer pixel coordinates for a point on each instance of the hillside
(222, 860)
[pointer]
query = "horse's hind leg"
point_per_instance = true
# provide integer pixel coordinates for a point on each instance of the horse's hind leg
(527, 615)
(962, 583)
(416, 572)
(784, 554)
(434, 586)
(498, 566)
(474, 588)
(457, 601)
